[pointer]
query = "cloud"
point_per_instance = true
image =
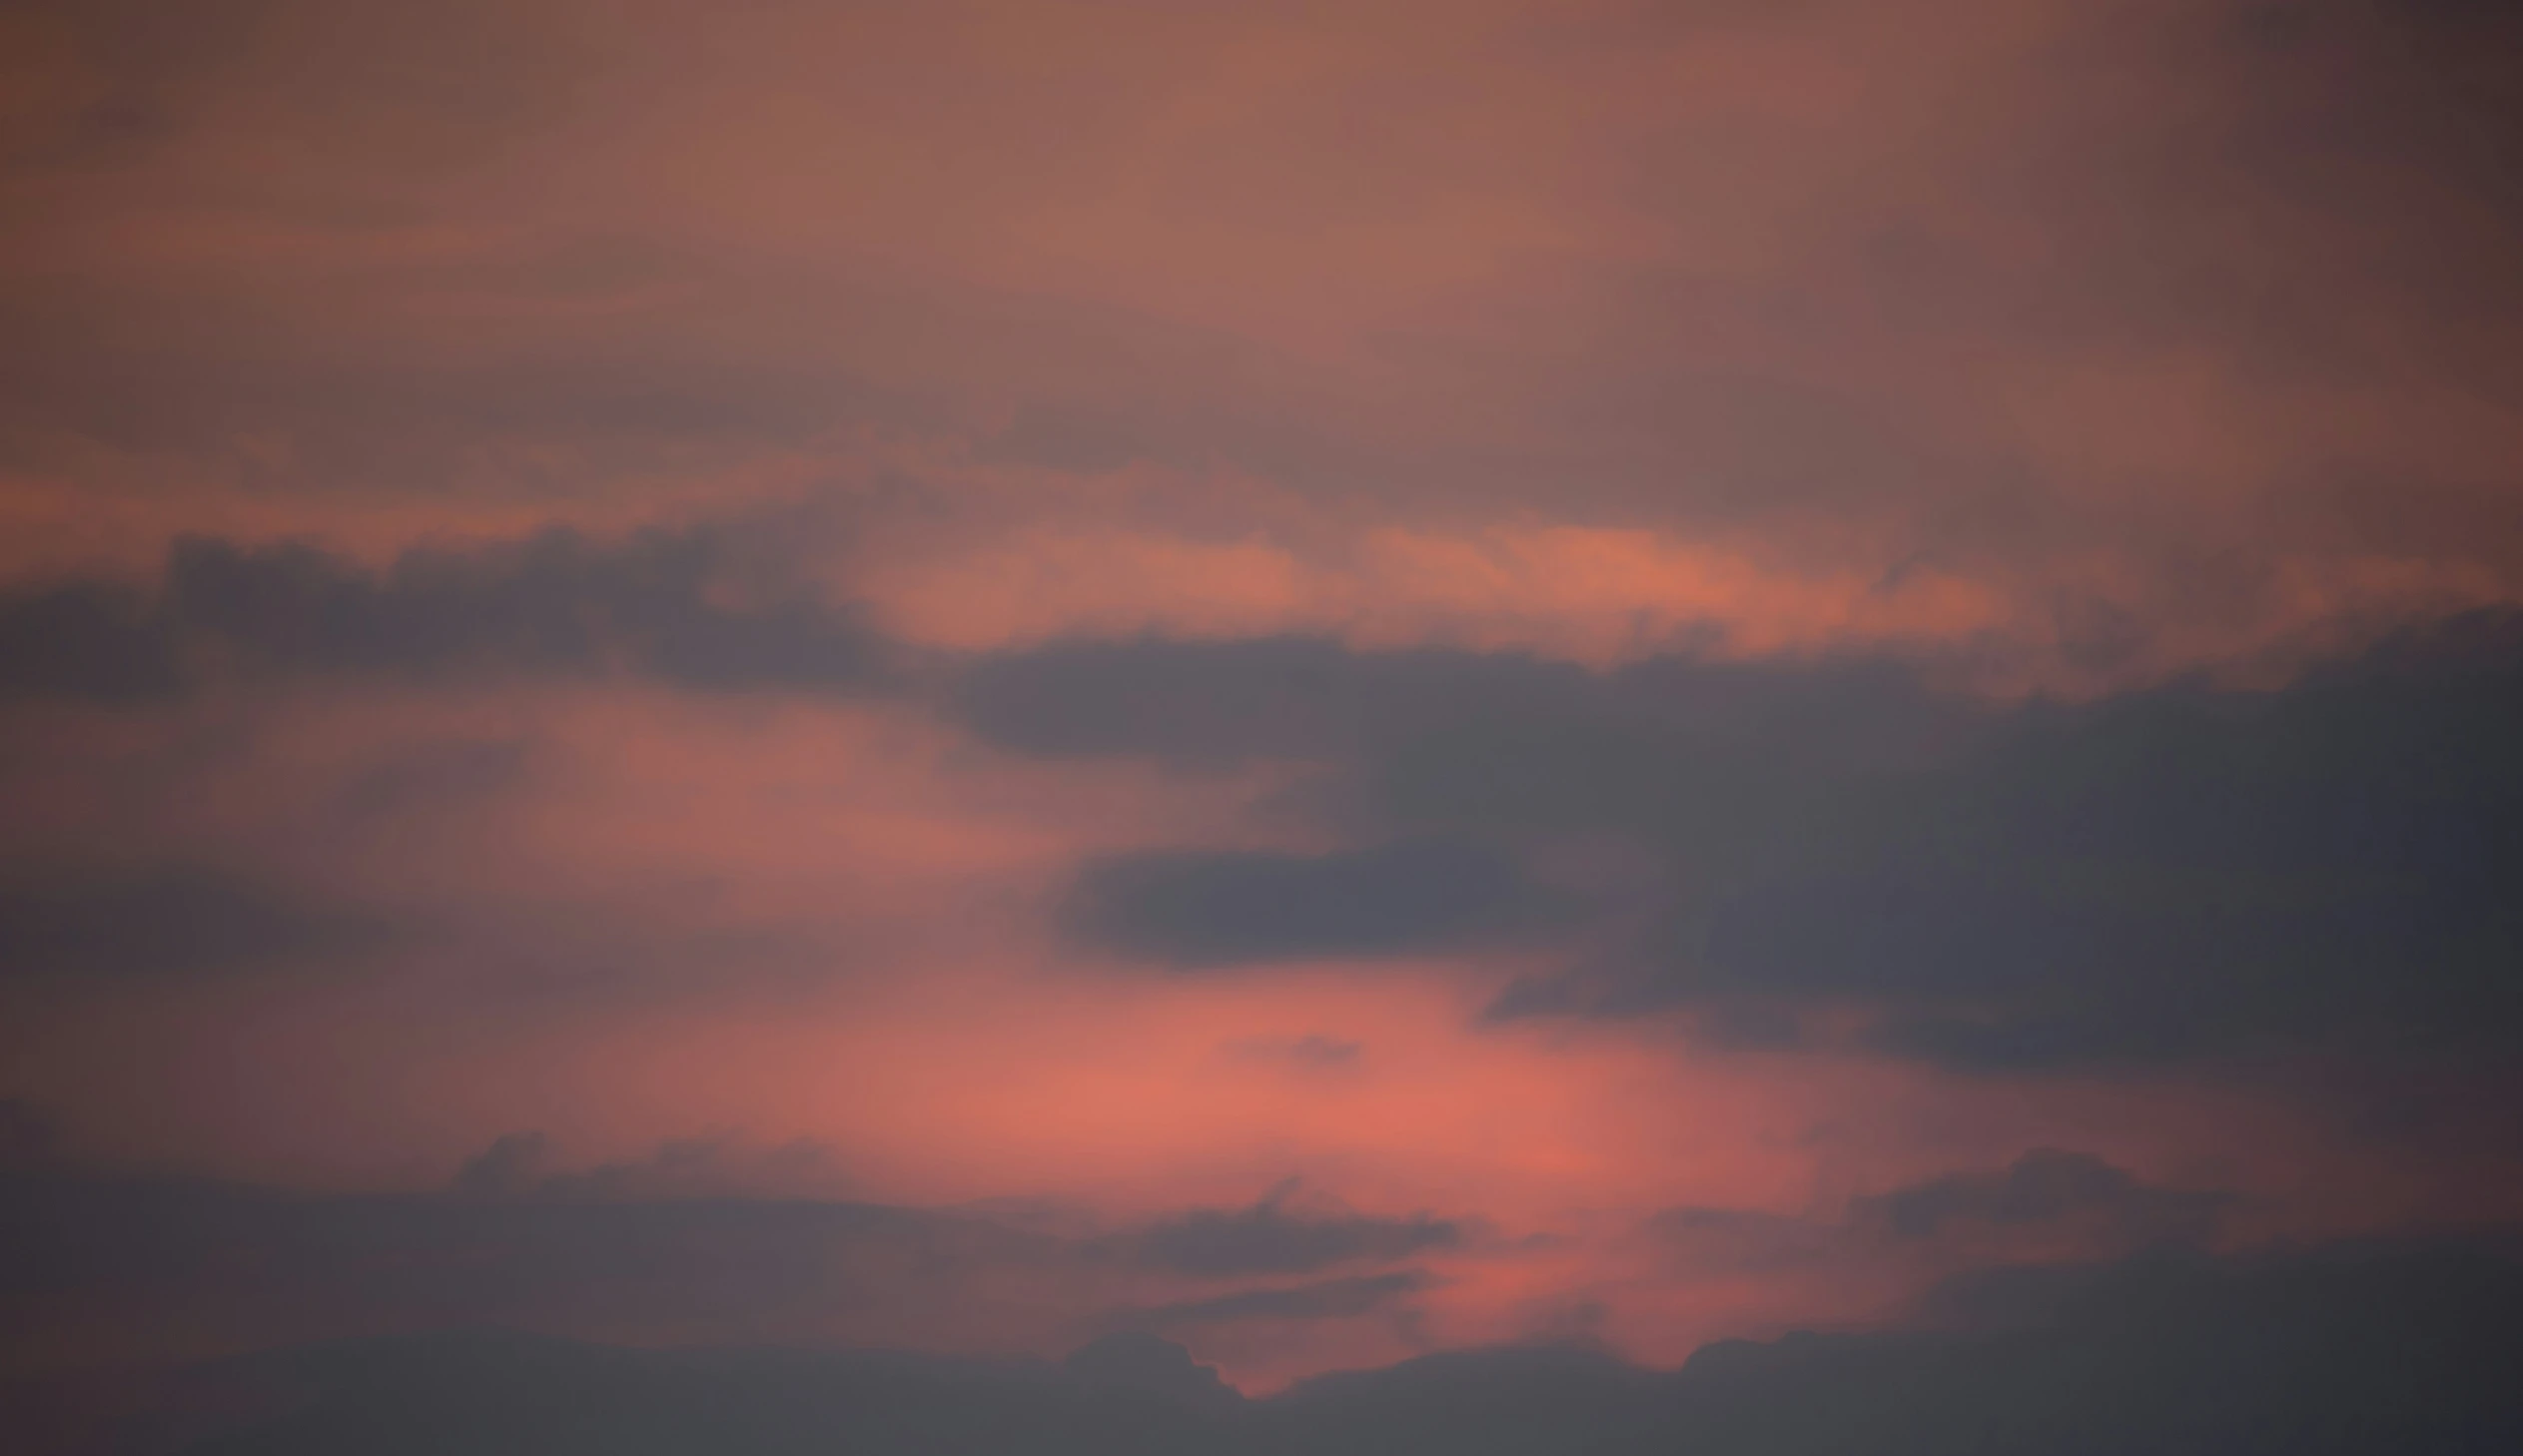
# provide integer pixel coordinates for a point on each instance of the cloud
(136, 923)
(1196, 909)
(2171, 875)
(2047, 1204)
(242, 269)
(1272, 1238)
(2045, 1187)
(2353, 1350)
(83, 641)
(1343, 1298)
(2300, 1352)
(433, 775)
(1824, 376)
(1508, 720)
(1314, 1053)
(521, 1165)
(1201, 702)
(1135, 1360)
(2191, 872)
(681, 1246)
(707, 1239)
(556, 604)
(29, 1139)
(512, 1163)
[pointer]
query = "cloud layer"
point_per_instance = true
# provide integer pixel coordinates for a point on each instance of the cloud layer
(1475, 693)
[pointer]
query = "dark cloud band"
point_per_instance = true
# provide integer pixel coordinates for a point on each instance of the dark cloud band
(2166, 875)
(558, 604)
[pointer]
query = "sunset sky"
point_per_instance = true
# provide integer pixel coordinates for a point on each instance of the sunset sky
(1334, 681)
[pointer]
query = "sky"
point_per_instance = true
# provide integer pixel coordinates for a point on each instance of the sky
(1322, 703)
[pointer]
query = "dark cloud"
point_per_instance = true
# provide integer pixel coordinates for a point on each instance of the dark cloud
(1193, 908)
(2184, 871)
(710, 1239)
(1752, 1240)
(1136, 1360)
(62, 922)
(2342, 1350)
(433, 775)
(2410, 98)
(83, 641)
(29, 1139)
(522, 1165)
(1202, 703)
(554, 605)
(2045, 1200)
(2348, 1351)
(2046, 1186)
(2175, 874)
(1273, 1237)
(513, 1164)
(144, 1265)
(1489, 738)
(1343, 1298)
(471, 1391)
